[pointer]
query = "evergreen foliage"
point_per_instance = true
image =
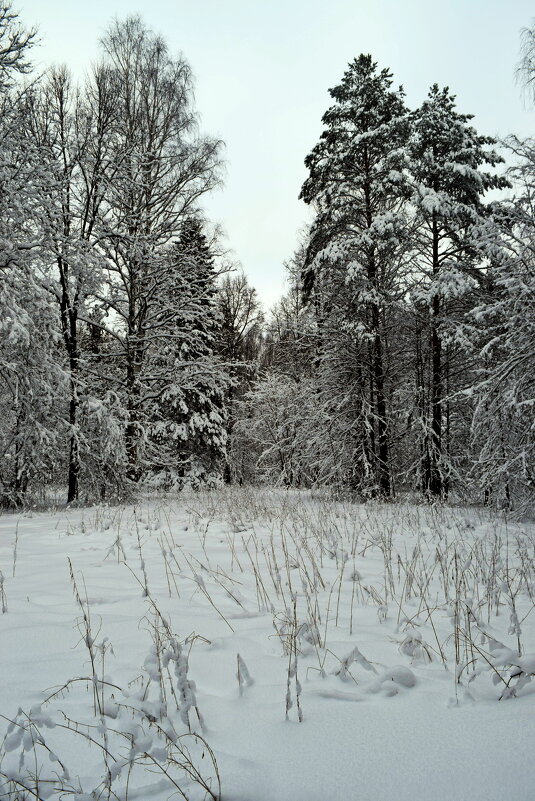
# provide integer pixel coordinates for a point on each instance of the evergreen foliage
(187, 429)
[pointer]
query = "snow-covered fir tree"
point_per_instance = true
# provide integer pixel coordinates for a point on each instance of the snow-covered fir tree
(187, 431)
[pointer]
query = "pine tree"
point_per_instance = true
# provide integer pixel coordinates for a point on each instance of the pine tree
(447, 156)
(357, 188)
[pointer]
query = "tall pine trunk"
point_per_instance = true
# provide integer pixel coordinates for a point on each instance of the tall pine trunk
(380, 447)
(382, 452)
(435, 478)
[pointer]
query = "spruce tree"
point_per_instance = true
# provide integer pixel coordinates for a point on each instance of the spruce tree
(186, 427)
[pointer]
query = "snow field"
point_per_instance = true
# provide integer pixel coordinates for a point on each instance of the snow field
(214, 622)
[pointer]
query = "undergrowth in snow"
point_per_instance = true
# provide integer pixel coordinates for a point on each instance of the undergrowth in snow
(265, 646)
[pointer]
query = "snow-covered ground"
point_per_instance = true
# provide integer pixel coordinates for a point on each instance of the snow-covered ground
(356, 618)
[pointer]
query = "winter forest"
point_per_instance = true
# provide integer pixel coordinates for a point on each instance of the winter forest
(330, 501)
(399, 360)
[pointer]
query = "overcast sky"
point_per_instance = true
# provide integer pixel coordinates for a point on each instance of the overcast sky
(262, 71)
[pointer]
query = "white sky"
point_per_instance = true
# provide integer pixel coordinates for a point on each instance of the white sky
(262, 71)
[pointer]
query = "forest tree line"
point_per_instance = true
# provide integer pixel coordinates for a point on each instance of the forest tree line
(402, 357)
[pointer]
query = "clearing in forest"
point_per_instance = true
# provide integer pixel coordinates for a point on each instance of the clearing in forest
(261, 645)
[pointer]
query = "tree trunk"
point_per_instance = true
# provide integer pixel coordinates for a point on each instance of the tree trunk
(447, 433)
(380, 405)
(436, 482)
(69, 324)
(381, 447)
(74, 448)
(422, 406)
(133, 470)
